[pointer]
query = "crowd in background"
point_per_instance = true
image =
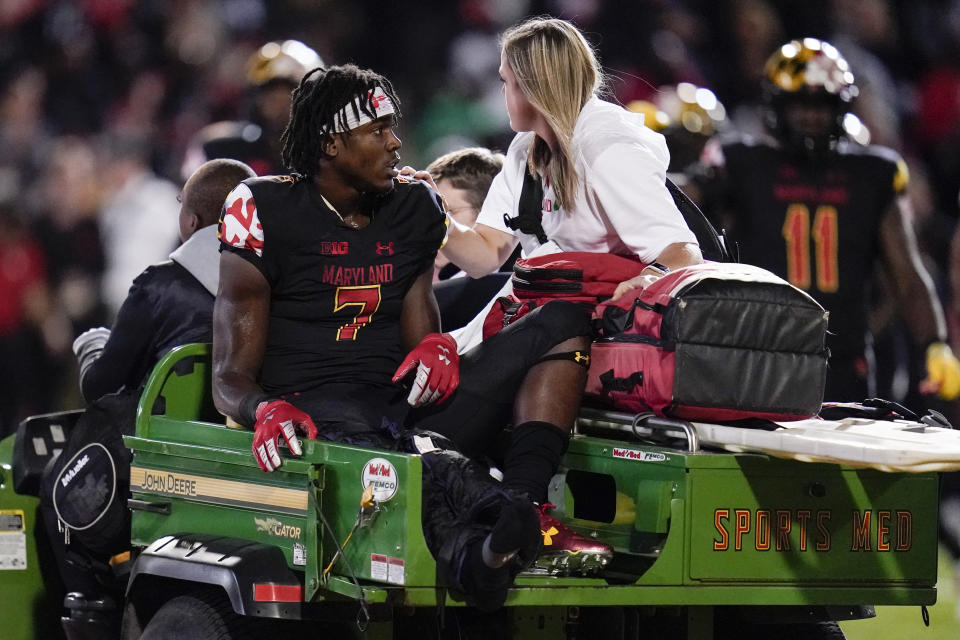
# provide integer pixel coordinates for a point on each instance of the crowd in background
(99, 100)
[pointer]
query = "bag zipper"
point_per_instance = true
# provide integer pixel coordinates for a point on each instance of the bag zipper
(638, 338)
(529, 273)
(547, 287)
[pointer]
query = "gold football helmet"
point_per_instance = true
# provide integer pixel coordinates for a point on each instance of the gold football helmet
(693, 109)
(687, 116)
(289, 61)
(653, 117)
(811, 72)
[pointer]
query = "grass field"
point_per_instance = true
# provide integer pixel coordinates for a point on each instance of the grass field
(894, 623)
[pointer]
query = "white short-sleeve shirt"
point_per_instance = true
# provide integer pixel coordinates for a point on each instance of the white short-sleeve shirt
(622, 206)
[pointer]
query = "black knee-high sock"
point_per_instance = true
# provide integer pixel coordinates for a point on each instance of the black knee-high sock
(533, 458)
(485, 571)
(518, 527)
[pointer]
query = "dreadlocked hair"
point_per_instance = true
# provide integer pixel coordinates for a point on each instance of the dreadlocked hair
(315, 111)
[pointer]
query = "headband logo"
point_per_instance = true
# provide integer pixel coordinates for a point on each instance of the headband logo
(376, 98)
(347, 119)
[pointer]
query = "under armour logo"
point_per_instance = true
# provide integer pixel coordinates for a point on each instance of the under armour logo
(384, 248)
(548, 535)
(375, 99)
(581, 357)
(444, 354)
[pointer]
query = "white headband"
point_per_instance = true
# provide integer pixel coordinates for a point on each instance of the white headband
(382, 105)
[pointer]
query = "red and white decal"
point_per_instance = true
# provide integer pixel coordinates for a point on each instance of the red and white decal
(378, 567)
(396, 570)
(634, 454)
(387, 568)
(241, 225)
(383, 476)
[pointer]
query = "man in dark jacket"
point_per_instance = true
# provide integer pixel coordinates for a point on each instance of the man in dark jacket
(170, 303)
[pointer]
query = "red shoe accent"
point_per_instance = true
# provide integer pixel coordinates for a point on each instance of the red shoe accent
(559, 538)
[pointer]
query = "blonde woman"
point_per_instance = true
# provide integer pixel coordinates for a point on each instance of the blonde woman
(602, 172)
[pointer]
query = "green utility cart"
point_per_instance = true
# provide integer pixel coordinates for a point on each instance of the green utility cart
(707, 543)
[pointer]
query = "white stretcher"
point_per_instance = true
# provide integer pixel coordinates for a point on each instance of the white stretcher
(887, 445)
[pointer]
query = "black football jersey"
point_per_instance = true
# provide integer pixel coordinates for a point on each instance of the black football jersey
(814, 223)
(336, 291)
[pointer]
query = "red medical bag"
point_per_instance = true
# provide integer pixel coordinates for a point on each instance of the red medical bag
(713, 342)
(577, 276)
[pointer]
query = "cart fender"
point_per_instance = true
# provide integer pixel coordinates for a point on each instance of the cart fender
(200, 559)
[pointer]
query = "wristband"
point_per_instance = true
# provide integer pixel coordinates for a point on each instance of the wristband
(660, 269)
(248, 408)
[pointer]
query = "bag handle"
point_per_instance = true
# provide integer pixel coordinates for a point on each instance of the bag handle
(616, 319)
(611, 383)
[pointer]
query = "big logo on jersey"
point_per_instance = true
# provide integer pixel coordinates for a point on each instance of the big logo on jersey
(241, 226)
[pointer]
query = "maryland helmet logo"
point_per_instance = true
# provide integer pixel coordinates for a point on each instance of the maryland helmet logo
(240, 226)
(811, 65)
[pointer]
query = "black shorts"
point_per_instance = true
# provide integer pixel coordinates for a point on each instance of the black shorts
(491, 373)
(478, 410)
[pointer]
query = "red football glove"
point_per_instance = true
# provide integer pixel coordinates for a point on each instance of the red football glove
(438, 373)
(273, 419)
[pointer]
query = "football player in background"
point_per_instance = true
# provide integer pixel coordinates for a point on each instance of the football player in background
(687, 116)
(819, 209)
(273, 72)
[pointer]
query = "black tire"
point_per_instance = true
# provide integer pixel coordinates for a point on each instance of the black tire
(795, 631)
(200, 615)
(814, 631)
(130, 628)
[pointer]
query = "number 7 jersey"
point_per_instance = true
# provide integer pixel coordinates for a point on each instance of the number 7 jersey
(336, 292)
(813, 222)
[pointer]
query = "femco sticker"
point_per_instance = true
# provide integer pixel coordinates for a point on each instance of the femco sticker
(383, 476)
(642, 456)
